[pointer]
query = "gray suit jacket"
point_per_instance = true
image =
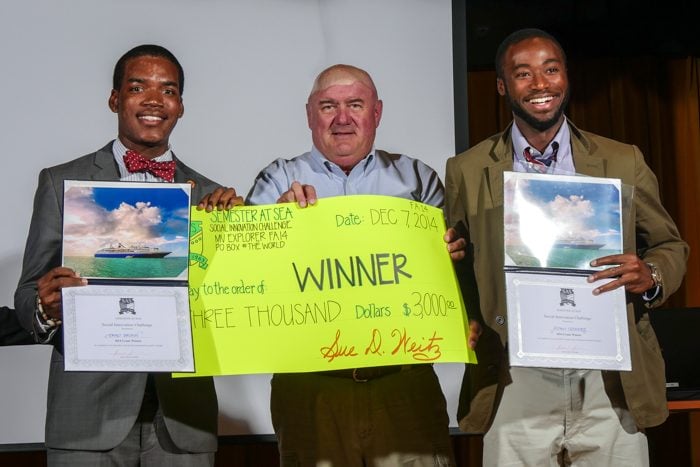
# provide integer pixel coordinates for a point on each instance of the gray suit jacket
(90, 410)
(474, 200)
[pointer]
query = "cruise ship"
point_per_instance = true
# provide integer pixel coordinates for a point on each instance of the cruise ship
(578, 244)
(121, 251)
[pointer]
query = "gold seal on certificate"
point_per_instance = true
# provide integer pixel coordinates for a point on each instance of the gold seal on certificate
(554, 225)
(131, 241)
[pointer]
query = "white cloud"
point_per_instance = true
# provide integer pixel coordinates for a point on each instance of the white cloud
(89, 227)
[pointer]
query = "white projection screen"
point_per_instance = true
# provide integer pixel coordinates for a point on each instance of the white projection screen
(249, 66)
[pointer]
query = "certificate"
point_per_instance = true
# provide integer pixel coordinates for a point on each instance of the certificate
(127, 328)
(131, 241)
(555, 321)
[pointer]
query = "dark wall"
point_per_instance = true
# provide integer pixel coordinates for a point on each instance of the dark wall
(586, 28)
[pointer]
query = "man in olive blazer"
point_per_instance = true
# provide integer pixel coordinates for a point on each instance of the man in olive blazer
(474, 185)
(532, 74)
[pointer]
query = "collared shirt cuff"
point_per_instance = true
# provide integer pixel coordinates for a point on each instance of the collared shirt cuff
(43, 332)
(651, 294)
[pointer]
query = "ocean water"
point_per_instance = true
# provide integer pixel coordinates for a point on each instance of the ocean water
(127, 268)
(572, 258)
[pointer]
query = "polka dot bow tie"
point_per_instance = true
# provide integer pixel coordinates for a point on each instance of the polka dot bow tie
(135, 162)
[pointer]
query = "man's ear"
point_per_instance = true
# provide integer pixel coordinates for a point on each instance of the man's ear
(500, 87)
(113, 101)
(378, 109)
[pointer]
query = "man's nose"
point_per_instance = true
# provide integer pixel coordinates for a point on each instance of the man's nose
(153, 97)
(539, 81)
(343, 116)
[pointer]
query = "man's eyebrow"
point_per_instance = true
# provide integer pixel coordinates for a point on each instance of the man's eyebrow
(168, 83)
(173, 84)
(520, 67)
(549, 61)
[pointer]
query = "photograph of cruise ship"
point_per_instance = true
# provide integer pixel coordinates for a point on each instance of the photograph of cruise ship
(582, 244)
(122, 251)
(560, 221)
(115, 230)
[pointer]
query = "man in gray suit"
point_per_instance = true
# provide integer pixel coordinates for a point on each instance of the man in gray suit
(120, 419)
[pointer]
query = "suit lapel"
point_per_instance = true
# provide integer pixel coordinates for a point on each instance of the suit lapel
(582, 150)
(585, 163)
(502, 155)
(495, 175)
(182, 172)
(105, 167)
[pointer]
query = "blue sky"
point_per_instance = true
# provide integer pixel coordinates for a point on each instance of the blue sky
(96, 217)
(587, 210)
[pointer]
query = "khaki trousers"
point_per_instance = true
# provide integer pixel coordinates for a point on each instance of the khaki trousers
(554, 417)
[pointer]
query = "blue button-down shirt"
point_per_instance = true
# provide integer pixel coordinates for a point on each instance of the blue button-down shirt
(377, 174)
(564, 165)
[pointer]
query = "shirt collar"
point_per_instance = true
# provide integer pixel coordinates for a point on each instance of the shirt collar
(367, 163)
(119, 150)
(562, 138)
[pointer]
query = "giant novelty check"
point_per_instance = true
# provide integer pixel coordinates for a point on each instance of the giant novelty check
(352, 281)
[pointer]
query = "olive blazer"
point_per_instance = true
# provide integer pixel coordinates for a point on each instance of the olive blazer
(474, 203)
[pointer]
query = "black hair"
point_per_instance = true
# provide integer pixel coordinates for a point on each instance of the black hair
(146, 50)
(519, 36)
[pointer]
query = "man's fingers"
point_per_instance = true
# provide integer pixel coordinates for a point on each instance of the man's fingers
(221, 198)
(302, 194)
(49, 288)
(310, 193)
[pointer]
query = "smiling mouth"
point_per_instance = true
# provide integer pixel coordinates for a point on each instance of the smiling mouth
(540, 100)
(150, 118)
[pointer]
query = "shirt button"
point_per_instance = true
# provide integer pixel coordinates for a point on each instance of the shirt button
(500, 319)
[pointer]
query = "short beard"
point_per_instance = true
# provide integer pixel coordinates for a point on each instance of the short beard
(531, 120)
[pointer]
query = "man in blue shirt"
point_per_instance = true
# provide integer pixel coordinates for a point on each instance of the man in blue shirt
(384, 416)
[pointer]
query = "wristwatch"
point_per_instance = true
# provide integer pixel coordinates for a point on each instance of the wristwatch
(655, 275)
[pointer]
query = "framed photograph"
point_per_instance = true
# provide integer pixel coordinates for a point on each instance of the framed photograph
(560, 221)
(118, 230)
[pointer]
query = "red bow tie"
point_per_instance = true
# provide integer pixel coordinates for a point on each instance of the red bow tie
(135, 162)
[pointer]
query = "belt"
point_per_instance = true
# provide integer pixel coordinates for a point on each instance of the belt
(362, 375)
